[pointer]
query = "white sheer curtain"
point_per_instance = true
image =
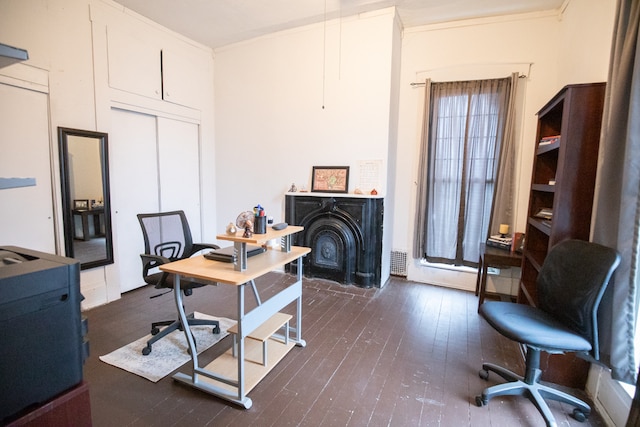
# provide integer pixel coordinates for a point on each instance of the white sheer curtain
(617, 195)
(463, 137)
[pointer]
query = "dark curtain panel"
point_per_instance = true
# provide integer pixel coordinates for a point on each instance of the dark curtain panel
(463, 135)
(617, 194)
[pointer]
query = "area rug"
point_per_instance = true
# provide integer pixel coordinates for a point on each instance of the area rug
(169, 353)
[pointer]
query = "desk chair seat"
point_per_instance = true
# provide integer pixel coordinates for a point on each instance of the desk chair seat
(167, 238)
(570, 285)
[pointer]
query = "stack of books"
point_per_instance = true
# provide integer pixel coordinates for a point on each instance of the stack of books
(500, 241)
(547, 140)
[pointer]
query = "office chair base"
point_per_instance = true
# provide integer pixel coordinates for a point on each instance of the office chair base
(174, 325)
(536, 392)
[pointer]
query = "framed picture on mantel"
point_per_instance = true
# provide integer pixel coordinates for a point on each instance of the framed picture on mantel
(330, 179)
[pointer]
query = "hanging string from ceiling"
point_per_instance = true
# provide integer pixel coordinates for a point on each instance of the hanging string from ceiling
(324, 53)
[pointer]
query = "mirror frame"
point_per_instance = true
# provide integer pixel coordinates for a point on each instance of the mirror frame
(67, 203)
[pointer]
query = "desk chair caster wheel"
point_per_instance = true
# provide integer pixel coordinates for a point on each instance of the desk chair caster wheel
(216, 330)
(155, 331)
(579, 416)
(147, 350)
(480, 402)
(484, 374)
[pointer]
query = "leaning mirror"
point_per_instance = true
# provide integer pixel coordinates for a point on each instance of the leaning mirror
(84, 174)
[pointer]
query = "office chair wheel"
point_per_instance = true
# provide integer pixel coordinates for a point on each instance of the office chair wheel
(216, 329)
(579, 416)
(480, 402)
(155, 331)
(484, 374)
(146, 350)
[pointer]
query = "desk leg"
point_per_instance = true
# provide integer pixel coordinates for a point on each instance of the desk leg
(85, 227)
(299, 341)
(193, 380)
(478, 279)
(483, 285)
(240, 347)
(185, 325)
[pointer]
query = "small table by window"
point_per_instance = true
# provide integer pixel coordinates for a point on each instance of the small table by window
(493, 257)
(84, 214)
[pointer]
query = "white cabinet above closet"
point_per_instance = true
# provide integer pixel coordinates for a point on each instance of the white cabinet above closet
(134, 62)
(138, 64)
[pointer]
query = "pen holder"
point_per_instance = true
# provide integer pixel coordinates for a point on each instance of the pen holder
(260, 225)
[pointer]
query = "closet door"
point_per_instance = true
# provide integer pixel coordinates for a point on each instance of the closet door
(26, 216)
(178, 160)
(154, 168)
(134, 189)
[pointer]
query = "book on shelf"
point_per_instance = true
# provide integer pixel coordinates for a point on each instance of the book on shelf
(545, 213)
(547, 140)
(500, 241)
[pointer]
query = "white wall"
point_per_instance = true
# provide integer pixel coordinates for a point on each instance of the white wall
(288, 101)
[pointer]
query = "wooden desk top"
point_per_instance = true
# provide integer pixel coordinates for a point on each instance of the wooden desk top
(217, 271)
(259, 239)
(491, 255)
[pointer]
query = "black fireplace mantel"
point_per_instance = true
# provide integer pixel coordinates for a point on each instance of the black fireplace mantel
(344, 234)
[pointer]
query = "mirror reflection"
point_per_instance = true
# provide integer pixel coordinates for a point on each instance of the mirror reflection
(85, 196)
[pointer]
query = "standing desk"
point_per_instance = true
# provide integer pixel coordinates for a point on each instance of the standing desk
(233, 374)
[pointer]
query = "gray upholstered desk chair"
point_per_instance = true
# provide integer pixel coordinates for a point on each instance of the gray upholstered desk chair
(571, 283)
(167, 238)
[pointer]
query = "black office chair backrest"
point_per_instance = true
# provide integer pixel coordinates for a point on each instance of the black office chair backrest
(571, 283)
(166, 234)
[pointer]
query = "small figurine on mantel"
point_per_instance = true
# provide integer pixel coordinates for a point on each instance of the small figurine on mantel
(248, 228)
(357, 191)
(293, 188)
(374, 192)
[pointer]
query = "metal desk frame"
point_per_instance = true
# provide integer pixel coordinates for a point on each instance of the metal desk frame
(247, 321)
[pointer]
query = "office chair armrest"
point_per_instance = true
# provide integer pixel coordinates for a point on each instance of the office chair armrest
(151, 261)
(197, 247)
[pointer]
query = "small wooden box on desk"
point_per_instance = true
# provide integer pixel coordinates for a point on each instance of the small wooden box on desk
(562, 184)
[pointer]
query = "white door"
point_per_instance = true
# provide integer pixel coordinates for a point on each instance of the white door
(178, 158)
(154, 168)
(26, 203)
(133, 172)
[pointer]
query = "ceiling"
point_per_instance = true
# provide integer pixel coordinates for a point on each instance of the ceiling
(216, 23)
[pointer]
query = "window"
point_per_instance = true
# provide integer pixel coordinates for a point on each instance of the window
(465, 133)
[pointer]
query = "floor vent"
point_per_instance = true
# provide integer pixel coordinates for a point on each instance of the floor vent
(399, 263)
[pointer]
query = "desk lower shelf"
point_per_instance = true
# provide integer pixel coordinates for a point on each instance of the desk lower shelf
(227, 364)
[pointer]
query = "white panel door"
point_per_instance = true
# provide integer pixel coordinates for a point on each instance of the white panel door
(178, 160)
(26, 213)
(134, 189)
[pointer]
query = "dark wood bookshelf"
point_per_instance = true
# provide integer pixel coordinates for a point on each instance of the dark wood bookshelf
(563, 178)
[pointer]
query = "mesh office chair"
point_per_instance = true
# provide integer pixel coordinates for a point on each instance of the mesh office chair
(570, 284)
(167, 238)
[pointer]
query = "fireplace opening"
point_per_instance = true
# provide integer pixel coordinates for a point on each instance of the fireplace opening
(333, 248)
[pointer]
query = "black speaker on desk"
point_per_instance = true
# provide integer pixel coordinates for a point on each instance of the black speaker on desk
(42, 349)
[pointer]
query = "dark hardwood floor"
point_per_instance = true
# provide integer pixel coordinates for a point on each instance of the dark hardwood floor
(404, 355)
